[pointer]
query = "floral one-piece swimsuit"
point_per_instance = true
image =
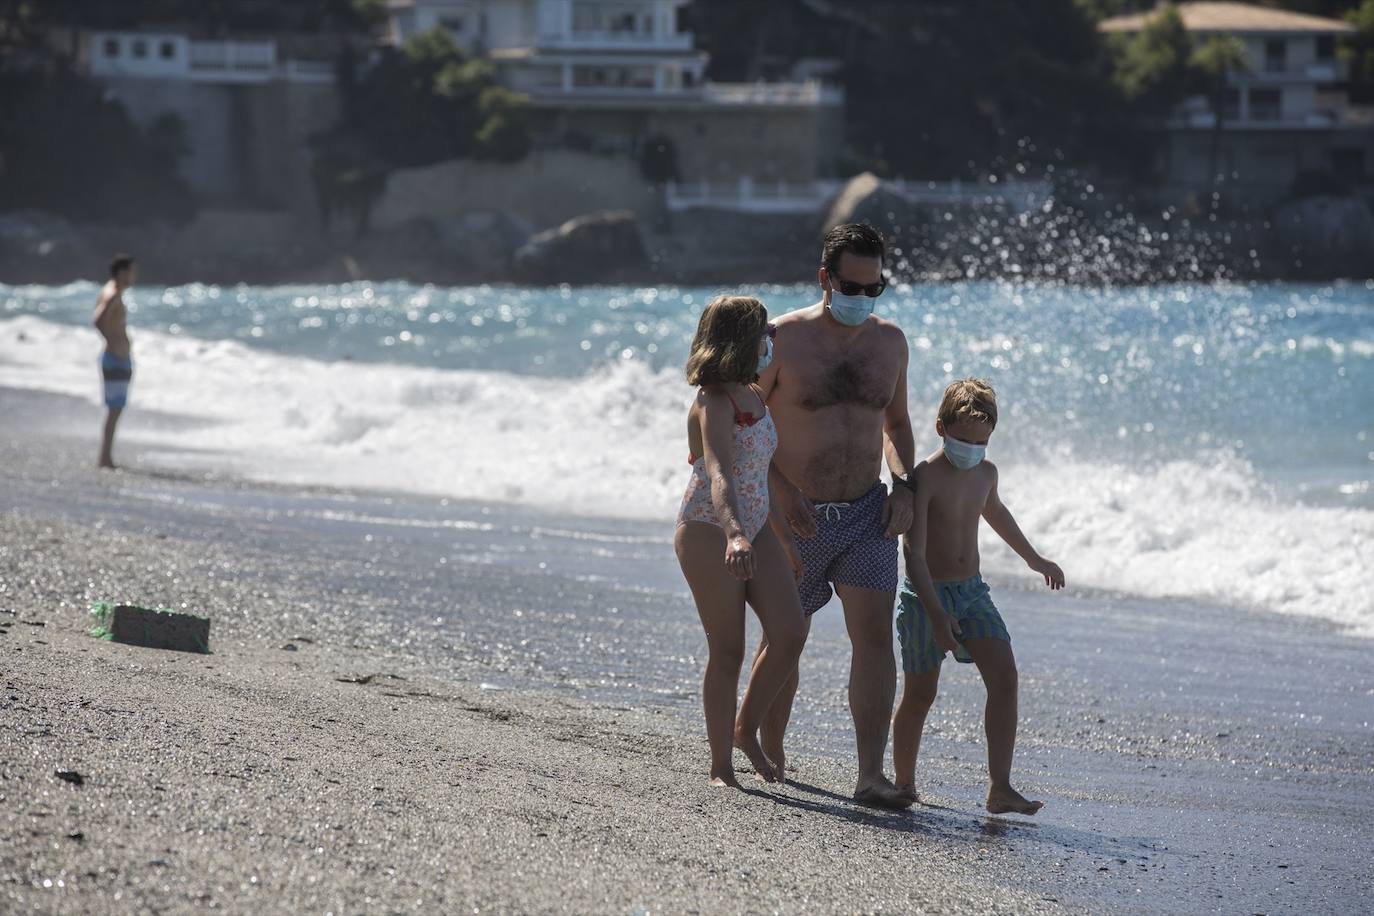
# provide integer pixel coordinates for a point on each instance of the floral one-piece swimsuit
(756, 438)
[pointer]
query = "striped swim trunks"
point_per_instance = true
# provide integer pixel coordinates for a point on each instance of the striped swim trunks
(849, 548)
(968, 601)
(116, 372)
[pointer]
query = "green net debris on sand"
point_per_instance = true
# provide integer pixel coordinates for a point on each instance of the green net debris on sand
(156, 628)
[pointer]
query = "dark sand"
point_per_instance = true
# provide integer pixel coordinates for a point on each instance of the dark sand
(530, 740)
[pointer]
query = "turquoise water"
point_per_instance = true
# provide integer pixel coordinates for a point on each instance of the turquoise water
(1214, 441)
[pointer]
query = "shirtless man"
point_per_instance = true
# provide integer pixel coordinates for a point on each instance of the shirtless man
(116, 363)
(837, 393)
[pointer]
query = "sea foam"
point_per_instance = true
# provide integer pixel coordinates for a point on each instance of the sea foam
(612, 443)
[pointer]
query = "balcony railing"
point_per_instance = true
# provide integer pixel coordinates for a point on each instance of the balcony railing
(616, 41)
(1325, 71)
(223, 57)
(807, 93)
(758, 195)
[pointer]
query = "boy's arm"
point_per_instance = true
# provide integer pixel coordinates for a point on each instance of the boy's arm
(946, 627)
(1000, 520)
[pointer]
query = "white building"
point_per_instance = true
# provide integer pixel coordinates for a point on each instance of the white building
(1294, 74)
(1286, 121)
(176, 56)
(608, 48)
(611, 73)
(247, 107)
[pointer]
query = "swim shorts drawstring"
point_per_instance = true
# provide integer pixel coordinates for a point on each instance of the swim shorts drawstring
(827, 508)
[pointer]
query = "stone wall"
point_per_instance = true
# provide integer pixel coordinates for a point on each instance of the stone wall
(248, 144)
(545, 189)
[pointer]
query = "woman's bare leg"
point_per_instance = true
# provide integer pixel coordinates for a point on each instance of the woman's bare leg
(773, 595)
(720, 603)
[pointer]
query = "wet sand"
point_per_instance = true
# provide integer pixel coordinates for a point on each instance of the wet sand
(528, 739)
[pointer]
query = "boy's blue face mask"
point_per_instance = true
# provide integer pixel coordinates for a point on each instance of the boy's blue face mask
(964, 455)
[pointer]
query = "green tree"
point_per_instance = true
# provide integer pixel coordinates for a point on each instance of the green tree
(1152, 68)
(1358, 49)
(67, 149)
(428, 101)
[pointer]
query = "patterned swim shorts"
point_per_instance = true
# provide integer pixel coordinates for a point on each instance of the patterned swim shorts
(115, 372)
(848, 549)
(968, 601)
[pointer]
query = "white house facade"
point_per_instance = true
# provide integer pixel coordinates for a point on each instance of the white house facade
(1286, 119)
(609, 74)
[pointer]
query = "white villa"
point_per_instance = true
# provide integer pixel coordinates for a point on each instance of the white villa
(247, 106)
(1286, 115)
(612, 73)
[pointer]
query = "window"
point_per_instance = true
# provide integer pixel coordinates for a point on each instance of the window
(1230, 110)
(1266, 104)
(167, 50)
(453, 24)
(1276, 55)
(1326, 48)
(1348, 162)
(111, 47)
(140, 48)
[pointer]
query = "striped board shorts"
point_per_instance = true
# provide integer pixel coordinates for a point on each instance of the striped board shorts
(116, 372)
(968, 601)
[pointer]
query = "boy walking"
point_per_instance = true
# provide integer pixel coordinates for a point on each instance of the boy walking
(945, 606)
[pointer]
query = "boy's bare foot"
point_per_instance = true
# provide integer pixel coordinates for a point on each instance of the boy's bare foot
(882, 794)
(1006, 800)
(749, 743)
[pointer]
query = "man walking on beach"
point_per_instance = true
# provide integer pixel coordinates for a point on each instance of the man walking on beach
(837, 393)
(116, 363)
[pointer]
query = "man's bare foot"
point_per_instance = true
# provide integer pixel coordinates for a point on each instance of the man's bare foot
(749, 743)
(1006, 800)
(909, 790)
(882, 794)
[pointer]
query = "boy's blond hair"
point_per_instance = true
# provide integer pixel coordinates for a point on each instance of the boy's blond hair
(969, 399)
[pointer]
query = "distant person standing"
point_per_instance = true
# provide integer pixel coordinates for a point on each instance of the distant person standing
(116, 363)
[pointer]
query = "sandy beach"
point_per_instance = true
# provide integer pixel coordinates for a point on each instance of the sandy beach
(423, 704)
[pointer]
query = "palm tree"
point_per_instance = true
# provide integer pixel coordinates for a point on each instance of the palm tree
(1214, 61)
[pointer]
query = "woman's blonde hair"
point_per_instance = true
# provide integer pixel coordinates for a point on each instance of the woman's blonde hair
(969, 399)
(726, 346)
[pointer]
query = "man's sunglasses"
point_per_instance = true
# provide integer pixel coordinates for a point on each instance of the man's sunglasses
(850, 288)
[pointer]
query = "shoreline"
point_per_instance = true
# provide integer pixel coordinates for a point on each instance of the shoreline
(1190, 759)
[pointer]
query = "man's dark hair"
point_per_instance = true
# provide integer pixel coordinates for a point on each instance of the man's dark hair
(856, 238)
(120, 263)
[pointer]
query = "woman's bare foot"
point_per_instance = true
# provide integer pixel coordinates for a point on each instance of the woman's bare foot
(1006, 800)
(775, 753)
(749, 743)
(882, 794)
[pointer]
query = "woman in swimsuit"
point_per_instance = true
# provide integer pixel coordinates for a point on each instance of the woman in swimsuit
(732, 546)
